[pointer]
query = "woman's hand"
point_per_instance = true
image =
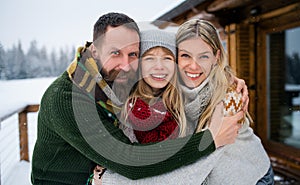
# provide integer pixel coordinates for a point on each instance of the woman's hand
(242, 87)
(224, 129)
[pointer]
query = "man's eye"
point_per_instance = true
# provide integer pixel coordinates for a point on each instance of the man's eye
(115, 52)
(134, 54)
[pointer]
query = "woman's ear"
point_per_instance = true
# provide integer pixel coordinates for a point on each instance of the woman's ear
(217, 57)
(94, 51)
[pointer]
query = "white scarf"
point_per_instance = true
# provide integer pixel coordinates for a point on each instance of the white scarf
(196, 101)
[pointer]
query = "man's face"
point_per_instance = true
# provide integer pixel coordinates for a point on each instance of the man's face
(118, 54)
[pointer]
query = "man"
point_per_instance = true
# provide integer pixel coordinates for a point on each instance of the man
(77, 122)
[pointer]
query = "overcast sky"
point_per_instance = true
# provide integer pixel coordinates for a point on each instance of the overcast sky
(67, 23)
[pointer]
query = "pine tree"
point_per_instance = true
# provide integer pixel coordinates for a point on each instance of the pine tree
(2, 63)
(22, 62)
(33, 57)
(14, 64)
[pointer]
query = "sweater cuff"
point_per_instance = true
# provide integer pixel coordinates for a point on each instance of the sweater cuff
(206, 140)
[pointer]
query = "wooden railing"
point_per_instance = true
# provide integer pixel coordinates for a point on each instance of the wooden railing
(23, 128)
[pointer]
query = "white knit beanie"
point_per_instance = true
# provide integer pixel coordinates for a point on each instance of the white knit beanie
(154, 38)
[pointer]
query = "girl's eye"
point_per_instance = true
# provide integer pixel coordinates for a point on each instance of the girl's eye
(148, 58)
(168, 58)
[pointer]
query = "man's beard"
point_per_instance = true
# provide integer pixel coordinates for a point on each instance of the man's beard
(121, 89)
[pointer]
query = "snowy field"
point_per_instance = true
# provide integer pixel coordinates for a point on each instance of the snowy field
(19, 93)
(15, 94)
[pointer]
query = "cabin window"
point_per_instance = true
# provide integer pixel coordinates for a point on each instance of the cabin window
(283, 86)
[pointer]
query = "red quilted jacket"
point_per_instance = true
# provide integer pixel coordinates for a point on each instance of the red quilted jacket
(152, 123)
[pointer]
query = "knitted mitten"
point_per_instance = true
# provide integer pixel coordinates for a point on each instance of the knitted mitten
(232, 102)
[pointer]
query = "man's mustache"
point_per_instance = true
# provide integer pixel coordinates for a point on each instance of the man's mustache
(113, 74)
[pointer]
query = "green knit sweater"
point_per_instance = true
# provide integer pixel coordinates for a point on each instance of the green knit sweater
(70, 139)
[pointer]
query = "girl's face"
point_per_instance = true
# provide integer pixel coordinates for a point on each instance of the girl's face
(195, 61)
(158, 68)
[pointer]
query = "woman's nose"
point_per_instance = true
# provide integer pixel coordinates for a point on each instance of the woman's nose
(194, 65)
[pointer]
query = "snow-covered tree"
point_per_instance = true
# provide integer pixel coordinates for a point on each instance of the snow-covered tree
(2, 63)
(14, 64)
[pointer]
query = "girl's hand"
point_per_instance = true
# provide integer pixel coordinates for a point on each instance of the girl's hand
(242, 87)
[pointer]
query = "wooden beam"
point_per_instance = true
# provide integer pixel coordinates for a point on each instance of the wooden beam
(32, 108)
(273, 14)
(226, 4)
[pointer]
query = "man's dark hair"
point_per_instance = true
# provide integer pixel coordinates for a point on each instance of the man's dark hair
(113, 20)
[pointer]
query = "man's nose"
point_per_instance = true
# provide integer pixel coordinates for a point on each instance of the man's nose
(124, 65)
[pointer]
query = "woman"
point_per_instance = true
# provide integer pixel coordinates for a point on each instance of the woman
(205, 77)
(204, 71)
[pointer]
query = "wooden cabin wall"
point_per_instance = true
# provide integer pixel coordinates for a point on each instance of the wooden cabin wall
(241, 55)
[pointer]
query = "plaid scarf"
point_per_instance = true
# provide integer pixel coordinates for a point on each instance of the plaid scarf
(84, 73)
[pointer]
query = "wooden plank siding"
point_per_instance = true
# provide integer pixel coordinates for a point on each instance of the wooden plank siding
(241, 55)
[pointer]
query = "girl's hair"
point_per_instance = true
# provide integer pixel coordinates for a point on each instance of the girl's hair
(171, 95)
(220, 75)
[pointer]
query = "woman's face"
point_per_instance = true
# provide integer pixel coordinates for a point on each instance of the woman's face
(158, 68)
(195, 61)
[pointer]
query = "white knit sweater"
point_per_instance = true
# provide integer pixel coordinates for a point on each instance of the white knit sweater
(243, 162)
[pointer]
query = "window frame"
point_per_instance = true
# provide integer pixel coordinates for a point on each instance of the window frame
(286, 159)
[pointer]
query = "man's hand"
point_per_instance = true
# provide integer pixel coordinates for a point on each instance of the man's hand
(224, 129)
(98, 172)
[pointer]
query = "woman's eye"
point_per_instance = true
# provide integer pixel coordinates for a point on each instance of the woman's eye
(115, 52)
(203, 57)
(184, 55)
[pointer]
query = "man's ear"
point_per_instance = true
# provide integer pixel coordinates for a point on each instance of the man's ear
(94, 51)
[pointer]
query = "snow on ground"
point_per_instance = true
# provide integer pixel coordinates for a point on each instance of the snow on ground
(15, 94)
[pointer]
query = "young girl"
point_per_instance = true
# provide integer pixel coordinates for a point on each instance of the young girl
(154, 111)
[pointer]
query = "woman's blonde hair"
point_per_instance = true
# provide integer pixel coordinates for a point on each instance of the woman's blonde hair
(220, 75)
(171, 95)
